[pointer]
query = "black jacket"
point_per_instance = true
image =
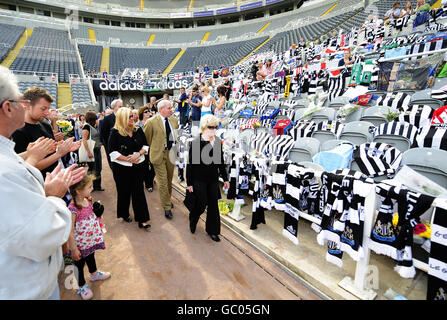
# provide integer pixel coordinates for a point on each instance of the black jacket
(205, 170)
(126, 145)
(106, 126)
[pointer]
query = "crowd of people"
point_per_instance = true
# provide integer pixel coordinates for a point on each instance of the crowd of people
(60, 218)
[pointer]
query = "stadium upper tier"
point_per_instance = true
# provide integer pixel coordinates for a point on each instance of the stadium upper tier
(229, 31)
(162, 5)
(48, 50)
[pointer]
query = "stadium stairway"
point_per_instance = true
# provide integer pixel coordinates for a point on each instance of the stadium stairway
(150, 40)
(341, 24)
(92, 35)
(205, 37)
(257, 48)
(15, 52)
(329, 10)
(174, 62)
(264, 27)
(64, 95)
(105, 60)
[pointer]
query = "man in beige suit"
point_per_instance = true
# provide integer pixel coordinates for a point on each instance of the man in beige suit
(160, 132)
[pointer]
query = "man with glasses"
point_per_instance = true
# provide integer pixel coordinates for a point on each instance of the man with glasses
(35, 221)
(36, 110)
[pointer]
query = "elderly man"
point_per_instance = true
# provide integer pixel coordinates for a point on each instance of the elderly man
(35, 221)
(153, 104)
(161, 137)
(107, 125)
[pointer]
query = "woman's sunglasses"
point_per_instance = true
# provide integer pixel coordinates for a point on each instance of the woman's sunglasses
(212, 127)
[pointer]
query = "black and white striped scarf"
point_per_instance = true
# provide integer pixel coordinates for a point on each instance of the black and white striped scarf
(398, 242)
(427, 47)
(437, 262)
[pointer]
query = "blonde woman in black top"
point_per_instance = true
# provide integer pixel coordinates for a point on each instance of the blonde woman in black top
(127, 147)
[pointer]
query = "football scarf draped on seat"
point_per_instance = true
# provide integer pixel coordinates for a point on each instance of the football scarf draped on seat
(434, 136)
(397, 242)
(403, 129)
(437, 262)
(377, 159)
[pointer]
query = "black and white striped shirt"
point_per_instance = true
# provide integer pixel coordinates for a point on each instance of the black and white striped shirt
(403, 129)
(434, 136)
(335, 127)
(377, 159)
(395, 100)
(260, 142)
(417, 115)
(302, 129)
(280, 146)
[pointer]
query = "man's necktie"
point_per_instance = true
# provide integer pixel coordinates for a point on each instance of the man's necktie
(168, 134)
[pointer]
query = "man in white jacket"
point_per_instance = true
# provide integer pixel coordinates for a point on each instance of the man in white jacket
(34, 221)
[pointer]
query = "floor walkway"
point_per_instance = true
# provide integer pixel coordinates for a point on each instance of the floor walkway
(168, 262)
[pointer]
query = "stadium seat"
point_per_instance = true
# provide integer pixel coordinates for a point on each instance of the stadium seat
(428, 162)
(375, 114)
(331, 144)
(304, 149)
(322, 115)
(357, 132)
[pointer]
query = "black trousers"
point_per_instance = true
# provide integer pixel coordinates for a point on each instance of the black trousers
(95, 168)
(148, 173)
(91, 264)
(108, 157)
(129, 186)
(208, 195)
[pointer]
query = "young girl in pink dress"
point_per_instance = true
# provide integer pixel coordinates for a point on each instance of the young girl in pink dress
(86, 235)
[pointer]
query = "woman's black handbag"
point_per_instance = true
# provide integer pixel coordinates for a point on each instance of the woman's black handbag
(190, 200)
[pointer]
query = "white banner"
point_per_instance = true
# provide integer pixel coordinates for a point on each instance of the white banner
(181, 15)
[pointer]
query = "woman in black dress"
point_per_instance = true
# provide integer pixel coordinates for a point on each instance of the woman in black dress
(90, 129)
(202, 175)
(127, 147)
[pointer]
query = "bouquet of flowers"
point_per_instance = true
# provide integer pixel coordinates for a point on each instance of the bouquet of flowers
(65, 126)
(346, 110)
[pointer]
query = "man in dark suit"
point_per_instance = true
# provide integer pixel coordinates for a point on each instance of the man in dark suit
(107, 125)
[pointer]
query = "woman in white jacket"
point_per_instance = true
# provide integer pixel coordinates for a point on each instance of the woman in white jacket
(35, 221)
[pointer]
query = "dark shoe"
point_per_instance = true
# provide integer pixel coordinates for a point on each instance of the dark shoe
(144, 225)
(215, 237)
(99, 189)
(168, 214)
(128, 219)
(192, 227)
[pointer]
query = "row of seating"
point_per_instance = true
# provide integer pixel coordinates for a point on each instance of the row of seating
(50, 87)
(48, 50)
(154, 59)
